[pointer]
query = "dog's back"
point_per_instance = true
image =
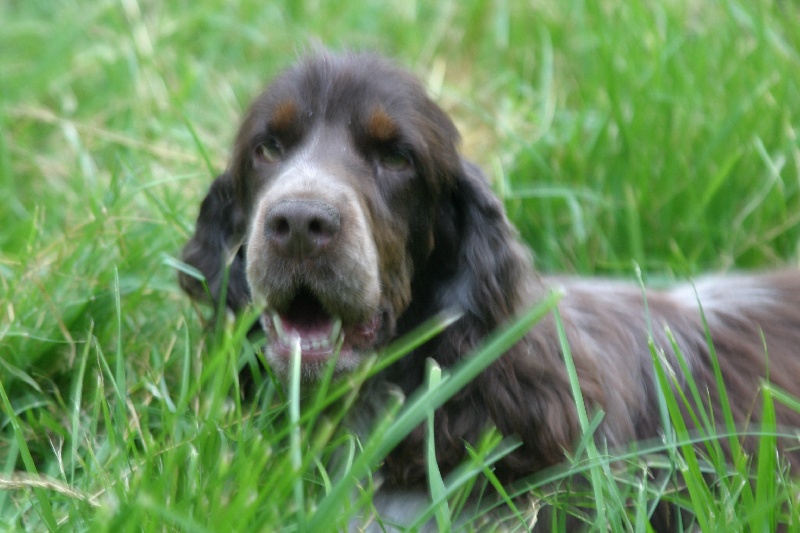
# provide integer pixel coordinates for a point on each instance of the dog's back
(748, 324)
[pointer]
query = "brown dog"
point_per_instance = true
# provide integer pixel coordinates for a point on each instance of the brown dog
(348, 215)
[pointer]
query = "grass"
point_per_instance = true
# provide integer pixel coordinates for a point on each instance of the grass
(658, 134)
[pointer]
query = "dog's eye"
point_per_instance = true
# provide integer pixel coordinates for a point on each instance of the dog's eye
(394, 159)
(269, 151)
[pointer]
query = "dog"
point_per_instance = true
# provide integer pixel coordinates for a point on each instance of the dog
(348, 215)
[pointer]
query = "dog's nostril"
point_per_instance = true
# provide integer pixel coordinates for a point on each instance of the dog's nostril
(301, 228)
(279, 226)
(324, 227)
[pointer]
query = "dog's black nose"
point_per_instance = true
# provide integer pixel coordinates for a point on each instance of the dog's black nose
(301, 228)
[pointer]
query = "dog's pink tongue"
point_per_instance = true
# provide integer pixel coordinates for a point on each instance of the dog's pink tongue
(306, 329)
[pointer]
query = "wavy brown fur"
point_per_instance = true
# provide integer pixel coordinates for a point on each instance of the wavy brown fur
(412, 229)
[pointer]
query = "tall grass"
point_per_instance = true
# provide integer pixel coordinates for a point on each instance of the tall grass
(658, 133)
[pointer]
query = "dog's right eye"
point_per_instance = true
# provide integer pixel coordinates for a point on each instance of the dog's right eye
(269, 151)
(394, 159)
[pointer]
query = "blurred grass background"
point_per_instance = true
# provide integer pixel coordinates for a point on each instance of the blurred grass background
(663, 134)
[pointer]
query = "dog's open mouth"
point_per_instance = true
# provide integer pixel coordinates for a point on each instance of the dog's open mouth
(321, 334)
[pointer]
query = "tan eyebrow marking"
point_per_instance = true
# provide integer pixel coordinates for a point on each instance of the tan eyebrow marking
(284, 115)
(380, 125)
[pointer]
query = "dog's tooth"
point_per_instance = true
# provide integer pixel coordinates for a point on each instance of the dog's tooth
(276, 321)
(316, 344)
(335, 330)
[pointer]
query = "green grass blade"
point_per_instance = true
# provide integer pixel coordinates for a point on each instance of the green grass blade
(295, 435)
(595, 473)
(120, 380)
(41, 495)
(692, 474)
(764, 513)
(76, 403)
(435, 482)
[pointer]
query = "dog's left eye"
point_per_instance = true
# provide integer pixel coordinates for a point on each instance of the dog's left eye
(394, 159)
(269, 151)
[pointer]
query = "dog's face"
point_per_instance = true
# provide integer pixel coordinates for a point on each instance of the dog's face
(339, 168)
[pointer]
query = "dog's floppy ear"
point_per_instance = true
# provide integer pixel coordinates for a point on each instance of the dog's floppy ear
(491, 265)
(215, 249)
(480, 269)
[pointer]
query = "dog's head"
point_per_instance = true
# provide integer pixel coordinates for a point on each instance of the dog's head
(351, 205)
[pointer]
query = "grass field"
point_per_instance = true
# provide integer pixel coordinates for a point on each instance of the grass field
(620, 133)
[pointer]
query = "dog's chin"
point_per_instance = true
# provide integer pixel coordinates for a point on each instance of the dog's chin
(323, 344)
(313, 369)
